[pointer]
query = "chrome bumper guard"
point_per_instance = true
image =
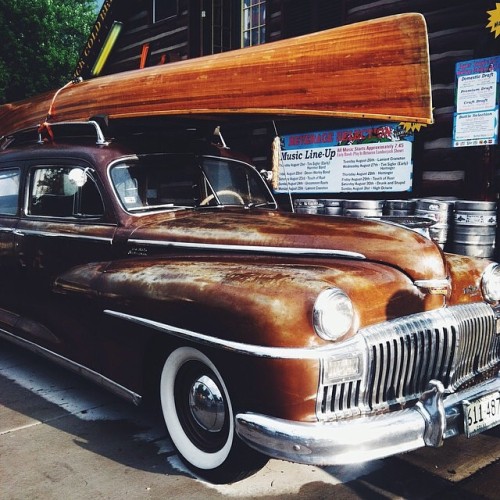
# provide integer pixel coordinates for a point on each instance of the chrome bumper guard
(434, 418)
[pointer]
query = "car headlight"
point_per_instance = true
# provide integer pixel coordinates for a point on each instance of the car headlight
(490, 283)
(333, 314)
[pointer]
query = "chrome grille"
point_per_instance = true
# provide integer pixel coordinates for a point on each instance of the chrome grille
(343, 397)
(451, 345)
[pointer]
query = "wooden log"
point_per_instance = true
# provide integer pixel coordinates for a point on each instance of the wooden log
(375, 69)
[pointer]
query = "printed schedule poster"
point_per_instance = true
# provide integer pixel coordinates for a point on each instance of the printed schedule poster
(364, 159)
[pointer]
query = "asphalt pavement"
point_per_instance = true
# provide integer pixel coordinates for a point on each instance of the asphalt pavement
(61, 437)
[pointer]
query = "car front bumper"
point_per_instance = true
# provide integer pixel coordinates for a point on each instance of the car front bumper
(433, 419)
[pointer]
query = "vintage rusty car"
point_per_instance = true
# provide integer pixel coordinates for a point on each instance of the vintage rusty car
(160, 269)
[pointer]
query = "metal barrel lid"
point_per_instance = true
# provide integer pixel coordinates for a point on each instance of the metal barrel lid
(482, 206)
(399, 205)
(332, 206)
(331, 202)
(306, 202)
(362, 212)
(433, 205)
(363, 204)
(307, 206)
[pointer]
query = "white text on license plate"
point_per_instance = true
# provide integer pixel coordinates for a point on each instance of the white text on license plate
(481, 414)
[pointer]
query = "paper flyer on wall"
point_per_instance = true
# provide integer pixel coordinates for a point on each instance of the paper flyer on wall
(363, 159)
(476, 102)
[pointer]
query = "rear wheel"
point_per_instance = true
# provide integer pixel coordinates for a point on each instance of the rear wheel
(199, 416)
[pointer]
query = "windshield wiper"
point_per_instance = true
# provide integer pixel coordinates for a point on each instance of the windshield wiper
(261, 204)
(149, 208)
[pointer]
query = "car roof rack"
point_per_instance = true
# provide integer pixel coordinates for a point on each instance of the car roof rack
(48, 132)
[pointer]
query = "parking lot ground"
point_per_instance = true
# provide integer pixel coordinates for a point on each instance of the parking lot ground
(61, 437)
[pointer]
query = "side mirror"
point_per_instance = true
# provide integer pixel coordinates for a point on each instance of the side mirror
(78, 177)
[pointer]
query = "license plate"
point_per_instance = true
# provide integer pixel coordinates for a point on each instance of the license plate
(481, 414)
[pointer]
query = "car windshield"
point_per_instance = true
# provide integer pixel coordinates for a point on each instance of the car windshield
(153, 182)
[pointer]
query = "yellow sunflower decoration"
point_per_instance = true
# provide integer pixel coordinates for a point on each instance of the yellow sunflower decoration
(412, 127)
(494, 19)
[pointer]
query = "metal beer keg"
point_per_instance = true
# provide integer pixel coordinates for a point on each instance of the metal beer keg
(363, 208)
(474, 229)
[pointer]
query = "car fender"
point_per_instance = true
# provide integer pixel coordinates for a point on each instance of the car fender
(254, 301)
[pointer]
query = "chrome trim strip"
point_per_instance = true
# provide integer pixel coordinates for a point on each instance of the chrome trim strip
(434, 286)
(49, 234)
(111, 183)
(88, 373)
(314, 353)
(253, 248)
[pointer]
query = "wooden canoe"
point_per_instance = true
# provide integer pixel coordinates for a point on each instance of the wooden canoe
(376, 69)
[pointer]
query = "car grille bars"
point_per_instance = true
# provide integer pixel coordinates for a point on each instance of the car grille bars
(451, 345)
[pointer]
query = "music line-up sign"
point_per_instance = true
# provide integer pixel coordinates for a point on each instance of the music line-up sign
(364, 159)
(476, 115)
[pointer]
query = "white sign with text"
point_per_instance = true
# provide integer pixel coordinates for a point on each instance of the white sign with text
(346, 168)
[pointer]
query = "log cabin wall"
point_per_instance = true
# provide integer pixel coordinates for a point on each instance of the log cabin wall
(457, 32)
(289, 18)
(147, 43)
(191, 28)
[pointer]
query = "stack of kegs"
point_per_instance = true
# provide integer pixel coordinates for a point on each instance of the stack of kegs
(460, 226)
(474, 229)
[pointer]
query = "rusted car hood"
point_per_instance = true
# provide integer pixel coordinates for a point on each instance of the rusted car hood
(258, 230)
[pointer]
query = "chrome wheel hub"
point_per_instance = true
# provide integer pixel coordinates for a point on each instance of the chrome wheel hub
(206, 404)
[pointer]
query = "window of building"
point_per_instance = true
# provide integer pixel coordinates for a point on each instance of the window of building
(253, 22)
(163, 9)
(221, 25)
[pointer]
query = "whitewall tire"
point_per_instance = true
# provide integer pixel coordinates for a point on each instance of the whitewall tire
(197, 409)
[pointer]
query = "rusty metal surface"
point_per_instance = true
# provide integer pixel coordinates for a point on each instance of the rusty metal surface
(377, 241)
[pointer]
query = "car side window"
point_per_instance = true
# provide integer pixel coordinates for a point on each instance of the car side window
(9, 191)
(63, 192)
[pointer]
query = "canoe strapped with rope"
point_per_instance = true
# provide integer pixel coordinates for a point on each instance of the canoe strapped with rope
(376, 69)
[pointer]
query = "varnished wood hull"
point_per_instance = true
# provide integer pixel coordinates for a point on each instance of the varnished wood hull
(376, 69)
